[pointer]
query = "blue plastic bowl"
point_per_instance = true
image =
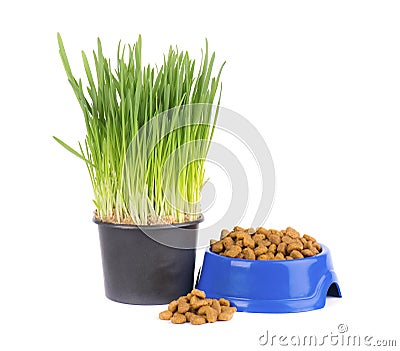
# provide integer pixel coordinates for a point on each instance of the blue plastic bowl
(270, 286)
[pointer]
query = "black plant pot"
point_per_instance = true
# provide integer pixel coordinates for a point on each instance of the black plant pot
(146, 265)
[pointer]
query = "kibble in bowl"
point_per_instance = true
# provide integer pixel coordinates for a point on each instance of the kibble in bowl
(265, 244)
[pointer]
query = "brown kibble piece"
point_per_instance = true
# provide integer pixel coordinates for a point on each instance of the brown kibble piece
(182, 299)
(298, 241)
(251, 230)
(217, 247)
(289, 257)
(296, 254)
(292, 233)
(238, 229)
(193, 300)
(282, 248)
(183, 307)
(272, 248)
(241, 235)
(239, 243)
(232, 234)
(303, 241)
(202, 310)
(265, 257)
(229, 309)
(210, 313)
(309, 238)
(224, 233)
(308, 245)
(216, 306)
(279, 256)
(262, 230)
(249, 254)
(314, 250)
(188, 315)
(199, 303)
(267, 243)
(274, 239)
(248, 241)
(307, 253)
(226, 314)
(288, 240)
(294, 246)
(173, 306)
(189, 296)
(199, 293)
(196, 302)
(317, 246)
(258, 238)
(260, 250)
(178, 318)
(165, 315)
(234, 251)
(228, 242)
(197, 320)
(224, 303)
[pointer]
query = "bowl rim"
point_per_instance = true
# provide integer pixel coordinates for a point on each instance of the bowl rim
(324, 252)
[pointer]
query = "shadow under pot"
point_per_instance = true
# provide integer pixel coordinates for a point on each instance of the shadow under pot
(152, 264)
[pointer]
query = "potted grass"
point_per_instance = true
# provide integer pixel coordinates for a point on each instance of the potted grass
(148, 134)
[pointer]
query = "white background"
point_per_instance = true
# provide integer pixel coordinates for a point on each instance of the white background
(319, 79)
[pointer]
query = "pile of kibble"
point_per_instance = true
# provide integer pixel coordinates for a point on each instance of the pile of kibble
(265, 244)
(197, 309)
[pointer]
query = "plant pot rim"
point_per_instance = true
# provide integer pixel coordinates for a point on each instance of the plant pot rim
(147, 226)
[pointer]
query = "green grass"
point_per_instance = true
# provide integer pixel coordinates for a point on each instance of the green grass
(148, 131)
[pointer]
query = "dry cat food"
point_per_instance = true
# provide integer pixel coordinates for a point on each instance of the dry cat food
(265, 244)
(197, 309)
